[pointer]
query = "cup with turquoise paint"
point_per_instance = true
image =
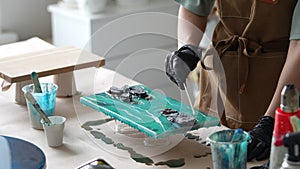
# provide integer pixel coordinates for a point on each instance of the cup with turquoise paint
(228, 150)
(46, 100)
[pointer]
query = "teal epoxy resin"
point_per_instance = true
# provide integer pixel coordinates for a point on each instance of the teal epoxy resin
(145, 115)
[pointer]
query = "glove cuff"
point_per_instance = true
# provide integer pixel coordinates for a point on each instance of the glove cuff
(190, 55)
(266, 120)
(196, 51)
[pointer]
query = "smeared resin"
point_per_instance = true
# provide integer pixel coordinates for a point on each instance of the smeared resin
(172, 163)
(87, 124)
(133, 154)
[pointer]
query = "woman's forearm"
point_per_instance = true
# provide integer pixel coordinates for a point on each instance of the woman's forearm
(190, 27)
(290, 75)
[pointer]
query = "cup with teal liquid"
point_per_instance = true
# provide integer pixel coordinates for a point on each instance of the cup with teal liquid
(229, 149)
(46, 100)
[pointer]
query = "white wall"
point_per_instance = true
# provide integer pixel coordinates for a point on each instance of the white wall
(0, 18)
(27, 18)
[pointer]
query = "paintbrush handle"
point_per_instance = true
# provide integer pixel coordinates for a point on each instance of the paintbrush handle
(189, 99)
(35, 80)
(34, 103)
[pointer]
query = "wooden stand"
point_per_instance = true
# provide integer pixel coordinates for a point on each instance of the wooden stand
(60, 61)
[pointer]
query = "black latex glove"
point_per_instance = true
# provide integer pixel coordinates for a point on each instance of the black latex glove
(180, 63)
(261, 137)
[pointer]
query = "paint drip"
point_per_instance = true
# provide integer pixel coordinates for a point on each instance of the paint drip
(133, 154)
(172, 163)
(87, 124)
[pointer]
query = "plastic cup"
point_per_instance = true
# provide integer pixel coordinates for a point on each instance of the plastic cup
(54, 132)
(46, 100)
(228, 154)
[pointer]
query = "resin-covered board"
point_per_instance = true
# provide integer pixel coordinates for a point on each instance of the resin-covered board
(146, 115)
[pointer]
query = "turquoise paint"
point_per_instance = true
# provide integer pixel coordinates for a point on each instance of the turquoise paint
(46, 101)
(145, 116)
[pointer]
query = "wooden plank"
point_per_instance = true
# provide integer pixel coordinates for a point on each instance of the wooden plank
(47, 62)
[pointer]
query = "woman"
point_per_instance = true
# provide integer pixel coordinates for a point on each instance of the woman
(258, 44)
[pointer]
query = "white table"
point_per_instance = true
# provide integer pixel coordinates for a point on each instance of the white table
(78, 147)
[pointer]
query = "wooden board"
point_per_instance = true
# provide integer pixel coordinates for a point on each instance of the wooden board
(47, 62)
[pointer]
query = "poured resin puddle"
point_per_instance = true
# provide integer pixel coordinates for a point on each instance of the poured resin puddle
(87, 125)
(133, 154)
(172, 163)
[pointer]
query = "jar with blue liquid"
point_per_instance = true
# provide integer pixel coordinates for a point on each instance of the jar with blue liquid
(229, 149)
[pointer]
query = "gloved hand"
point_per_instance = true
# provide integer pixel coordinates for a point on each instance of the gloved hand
(261, 137)
(180, 63)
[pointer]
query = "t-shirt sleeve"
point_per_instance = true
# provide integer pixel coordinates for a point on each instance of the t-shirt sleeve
(198, 7)
(295, 30)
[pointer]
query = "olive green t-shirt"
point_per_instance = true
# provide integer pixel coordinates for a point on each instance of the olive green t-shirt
(203, 8)
(295, 30)
(199, 7)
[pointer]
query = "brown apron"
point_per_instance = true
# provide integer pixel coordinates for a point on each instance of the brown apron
(251, 41)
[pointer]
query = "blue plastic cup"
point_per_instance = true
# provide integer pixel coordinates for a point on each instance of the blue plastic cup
(228, 154)
(46, 100)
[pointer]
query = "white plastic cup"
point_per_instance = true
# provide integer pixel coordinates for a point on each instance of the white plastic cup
(54, 132)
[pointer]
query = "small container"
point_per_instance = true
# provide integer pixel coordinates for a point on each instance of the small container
(228, 154)
(46, 101)
(54, 132)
